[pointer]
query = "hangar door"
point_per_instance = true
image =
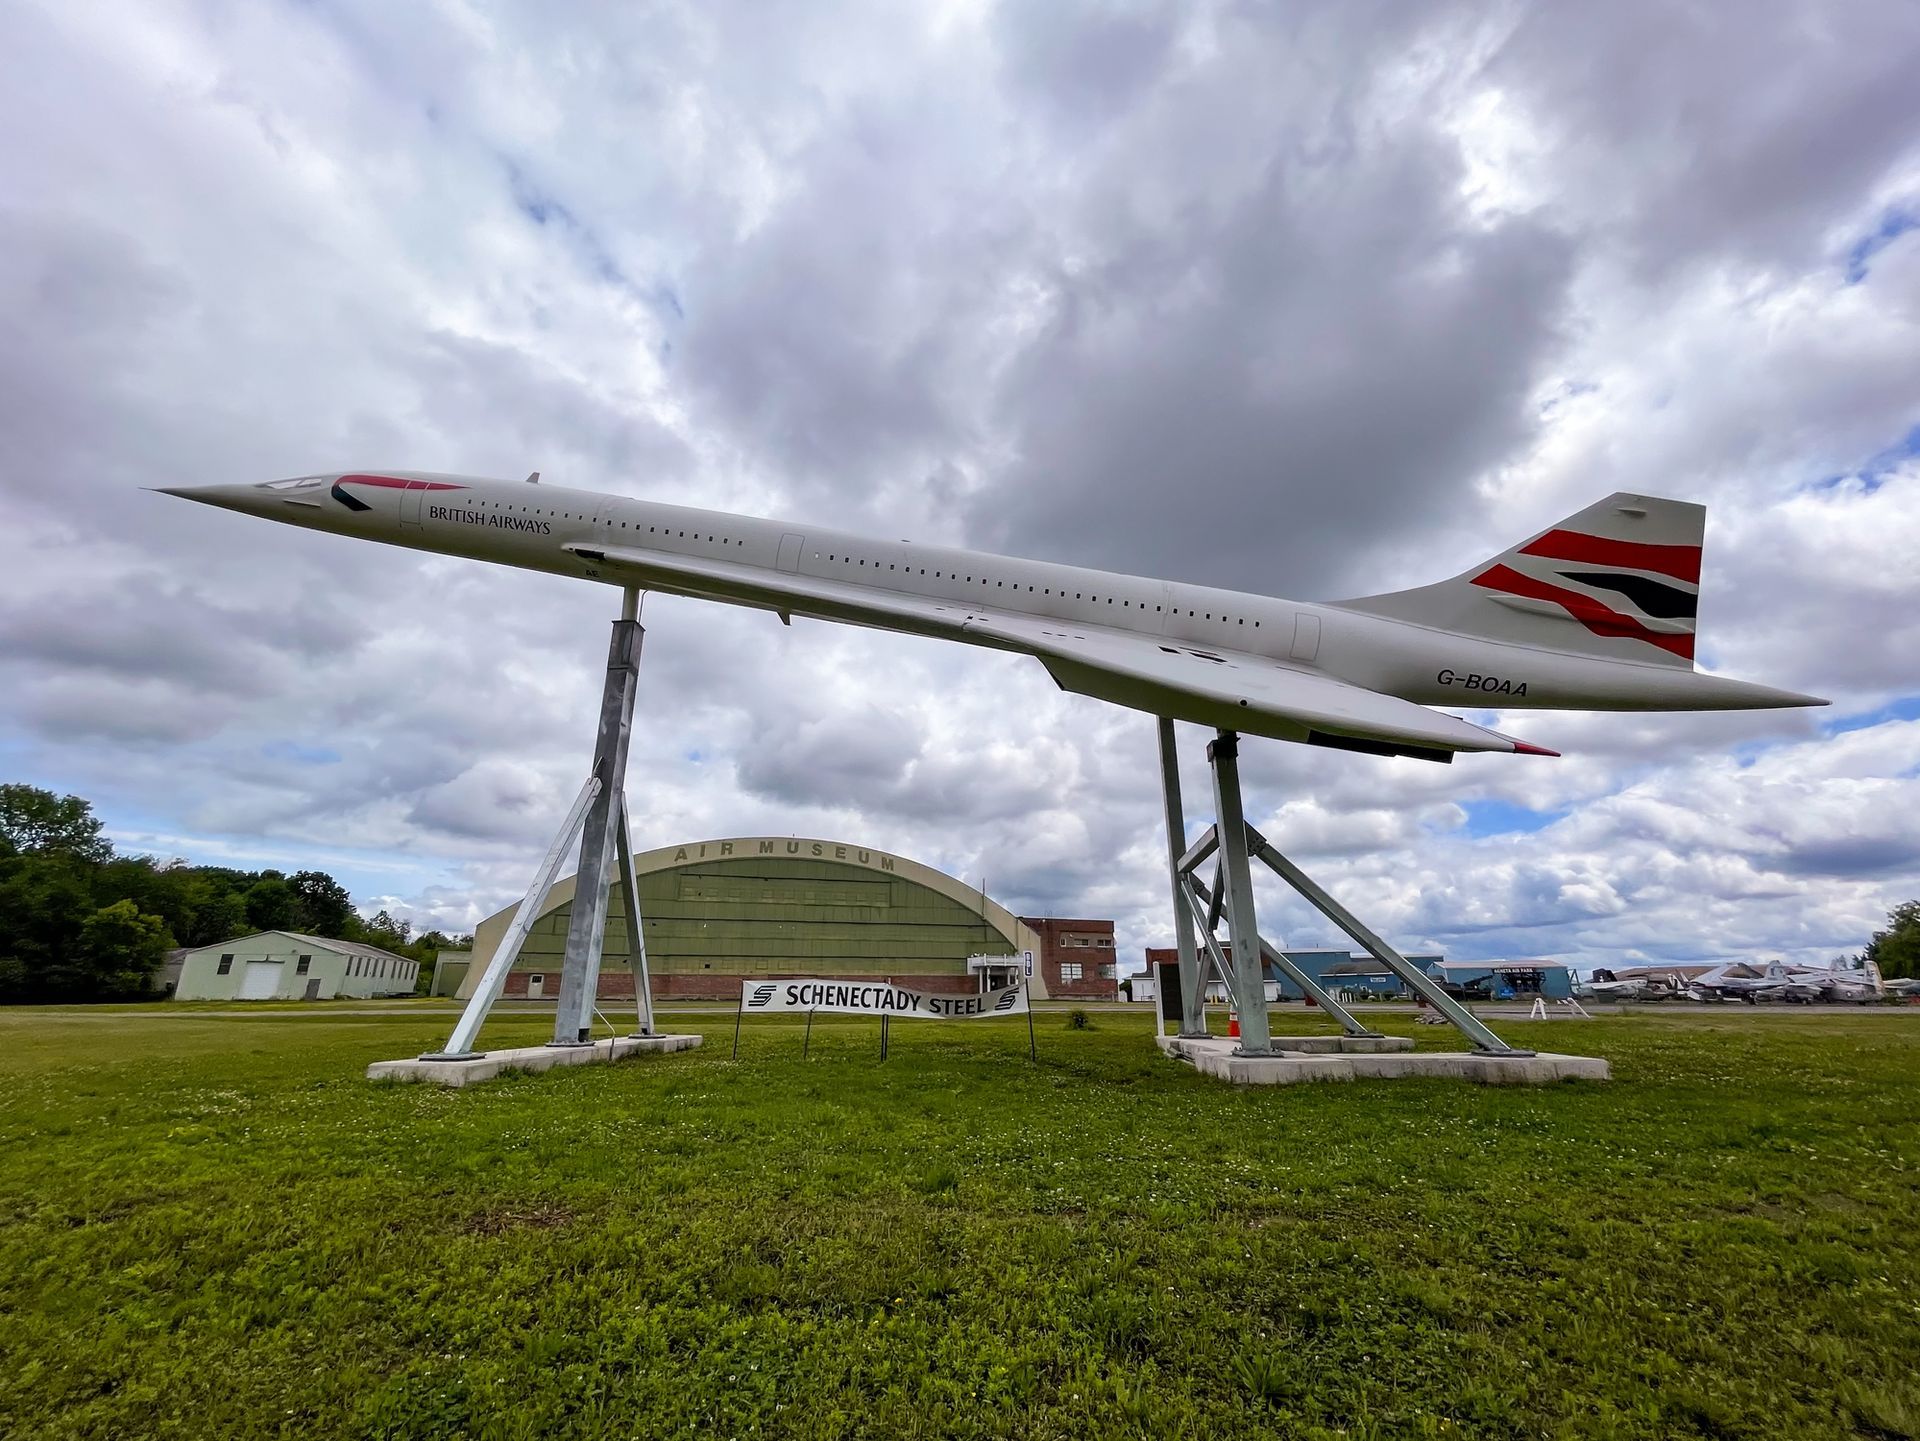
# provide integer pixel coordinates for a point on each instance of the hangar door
(260, 980)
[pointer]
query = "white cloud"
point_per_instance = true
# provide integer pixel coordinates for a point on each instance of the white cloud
(1328, 303)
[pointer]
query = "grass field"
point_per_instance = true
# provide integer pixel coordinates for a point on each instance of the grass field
(214, 1227)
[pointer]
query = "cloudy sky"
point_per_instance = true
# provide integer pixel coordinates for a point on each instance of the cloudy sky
(1313, 299)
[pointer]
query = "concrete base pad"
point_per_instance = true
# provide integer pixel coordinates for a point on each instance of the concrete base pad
(488, 1064)
(1341, 1045)
(1213, 1056)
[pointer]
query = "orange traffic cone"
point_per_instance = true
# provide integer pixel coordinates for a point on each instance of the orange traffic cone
(1233, 1023)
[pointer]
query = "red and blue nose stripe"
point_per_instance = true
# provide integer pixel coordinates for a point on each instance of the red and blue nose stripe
(385, 482)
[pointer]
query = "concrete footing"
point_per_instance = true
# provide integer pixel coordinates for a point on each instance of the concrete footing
(485, 1065)
(1301, 1045)
(1342, 1045)
(1213, 1056)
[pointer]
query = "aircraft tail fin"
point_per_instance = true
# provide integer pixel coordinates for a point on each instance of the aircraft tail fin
(1620, 579)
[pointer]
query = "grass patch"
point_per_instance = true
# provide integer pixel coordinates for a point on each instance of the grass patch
(213, 1226)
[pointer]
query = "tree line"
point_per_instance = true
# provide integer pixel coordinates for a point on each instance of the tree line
(80, 923)
(1896, 950)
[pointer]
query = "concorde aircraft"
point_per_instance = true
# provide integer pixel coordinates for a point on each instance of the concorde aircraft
(1594, 613)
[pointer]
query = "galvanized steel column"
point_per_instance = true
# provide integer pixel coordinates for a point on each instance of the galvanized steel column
(587, 927)
(636, 933)
(1193, 1017)
(1237, 884)
(1316, 896)
(459, 1045)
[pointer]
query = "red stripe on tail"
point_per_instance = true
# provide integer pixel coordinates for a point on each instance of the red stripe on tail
(1598, 618)
(1682, 562)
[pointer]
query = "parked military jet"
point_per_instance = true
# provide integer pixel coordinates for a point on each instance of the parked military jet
(1605, 986)
(1779, 982)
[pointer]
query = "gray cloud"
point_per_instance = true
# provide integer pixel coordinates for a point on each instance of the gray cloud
(1334, 299)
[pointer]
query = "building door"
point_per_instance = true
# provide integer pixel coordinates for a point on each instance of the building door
(789, 557)
(1166, 986)
(260, 981)
(536, 986)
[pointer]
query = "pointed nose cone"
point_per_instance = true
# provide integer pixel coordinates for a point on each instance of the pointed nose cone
(271, 499)
(227, 497)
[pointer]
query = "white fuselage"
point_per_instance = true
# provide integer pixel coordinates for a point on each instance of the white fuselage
(546, 527)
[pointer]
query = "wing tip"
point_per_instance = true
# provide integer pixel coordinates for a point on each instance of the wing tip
(1524, 749)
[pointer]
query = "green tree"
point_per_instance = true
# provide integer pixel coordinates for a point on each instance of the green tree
(36, 822)
(387, 933)
(271, 903)
(220, 917)
(43, 899)
(1896, 950)
(122, 949)
(322, 904)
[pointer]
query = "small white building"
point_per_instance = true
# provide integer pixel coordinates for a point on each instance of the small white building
(288, 966)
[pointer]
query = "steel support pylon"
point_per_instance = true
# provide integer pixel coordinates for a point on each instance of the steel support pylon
(1424, 985)
(636, 936)
(1193, 981)
(587, 926)
(459, 1045)
(1199, 908)
(1236, 880)
(599, 821)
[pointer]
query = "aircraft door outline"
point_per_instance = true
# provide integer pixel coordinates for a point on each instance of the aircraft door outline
(411, 500)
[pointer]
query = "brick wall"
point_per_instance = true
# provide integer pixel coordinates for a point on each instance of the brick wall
(1062, 944)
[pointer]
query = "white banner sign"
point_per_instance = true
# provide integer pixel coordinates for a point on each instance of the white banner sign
(877, 998)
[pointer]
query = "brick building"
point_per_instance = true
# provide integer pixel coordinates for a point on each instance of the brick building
(1076, 958)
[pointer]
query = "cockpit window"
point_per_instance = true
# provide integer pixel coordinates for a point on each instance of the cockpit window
(299, 482)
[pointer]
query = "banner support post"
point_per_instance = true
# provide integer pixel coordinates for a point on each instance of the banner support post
(1032, 1053)
(807, 1043)
(740, 1010)
(883, 1036)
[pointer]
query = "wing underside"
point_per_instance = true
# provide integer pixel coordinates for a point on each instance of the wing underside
(1230, 690)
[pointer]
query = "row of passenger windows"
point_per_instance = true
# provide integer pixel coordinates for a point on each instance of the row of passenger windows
(624, 525)
(1140, 605)
(1001, 585)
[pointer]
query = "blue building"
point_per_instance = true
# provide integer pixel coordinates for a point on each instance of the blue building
(1338, 971)
(1362, 977)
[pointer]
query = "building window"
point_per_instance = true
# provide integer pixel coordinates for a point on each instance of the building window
(1069, 970)
(303, 965)
(226, 965)
(1106, 970)
(536, 979)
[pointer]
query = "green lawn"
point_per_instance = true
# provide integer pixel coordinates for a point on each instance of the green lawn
(215, 1227)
